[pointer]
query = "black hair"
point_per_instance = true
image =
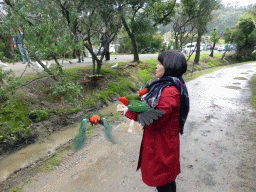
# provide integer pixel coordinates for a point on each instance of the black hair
(174, 62)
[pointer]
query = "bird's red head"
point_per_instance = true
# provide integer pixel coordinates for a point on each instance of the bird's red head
(124, 100)
(143, 91)
(95, 119)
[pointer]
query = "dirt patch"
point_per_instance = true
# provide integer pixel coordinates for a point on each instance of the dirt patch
(21, 176)
(240, 78)
(232, 87)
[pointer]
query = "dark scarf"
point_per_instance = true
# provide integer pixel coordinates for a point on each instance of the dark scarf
(155, 89)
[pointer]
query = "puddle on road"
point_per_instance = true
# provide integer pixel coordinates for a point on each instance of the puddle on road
(232, 87)
(33, 152)
(249, 71)
(240, 78)
(223, 103)
(244, 73)
(236, 83)
(210, 77)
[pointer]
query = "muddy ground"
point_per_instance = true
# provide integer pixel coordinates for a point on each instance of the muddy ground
(230, 165)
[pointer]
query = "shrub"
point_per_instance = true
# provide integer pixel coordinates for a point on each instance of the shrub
(14, 119)
(89, 101)
(67, 89)
(38, 115)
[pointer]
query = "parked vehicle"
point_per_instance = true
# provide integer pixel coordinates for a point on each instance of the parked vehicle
(221, 48)
(190, 47)
(209, 47)
(98, 52)
(112, 48)
(231, 47)
(228, 47)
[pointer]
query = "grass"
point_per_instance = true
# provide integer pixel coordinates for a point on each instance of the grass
(254, 91)
(73, 73)
(213, 63)
(53, 161)
(17, 188)
(148, 66)
(219, 55)
(120, 87)
(116, 115)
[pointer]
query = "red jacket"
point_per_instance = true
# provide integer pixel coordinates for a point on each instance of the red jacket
(160, 146)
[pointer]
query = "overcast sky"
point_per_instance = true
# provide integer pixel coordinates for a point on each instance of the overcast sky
(241, 2)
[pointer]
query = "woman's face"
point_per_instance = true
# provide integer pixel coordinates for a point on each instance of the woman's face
(160, 70)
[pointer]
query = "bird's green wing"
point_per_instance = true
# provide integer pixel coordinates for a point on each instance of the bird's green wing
(138, 106)
(108, 131)
(149, 116)
(145, 85)
(133, 97)
(81, 136)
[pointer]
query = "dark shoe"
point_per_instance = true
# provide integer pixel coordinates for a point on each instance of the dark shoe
(78, 61)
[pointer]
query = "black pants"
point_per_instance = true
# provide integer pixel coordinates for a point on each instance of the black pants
(171, 187)
(79, 55)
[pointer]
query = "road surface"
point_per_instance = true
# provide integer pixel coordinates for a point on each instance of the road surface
(217, 154)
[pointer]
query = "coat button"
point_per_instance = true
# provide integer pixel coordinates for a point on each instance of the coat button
(151, 147)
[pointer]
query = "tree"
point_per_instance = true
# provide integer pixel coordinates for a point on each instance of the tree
(5, 33)
(251, 9)
(182, 27)
(52, 26)
(142, 16)
(92, 17)
(244, 36)
(203, 11)
(226, 16)
(214, 38)
(42, 29)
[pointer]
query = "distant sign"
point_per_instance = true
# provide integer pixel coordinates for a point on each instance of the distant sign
(206, 38)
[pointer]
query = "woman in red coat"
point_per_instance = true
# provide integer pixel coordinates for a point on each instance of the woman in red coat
(160, 147)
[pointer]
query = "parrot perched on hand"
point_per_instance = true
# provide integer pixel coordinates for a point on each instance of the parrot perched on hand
(93, 118)
(145, 113)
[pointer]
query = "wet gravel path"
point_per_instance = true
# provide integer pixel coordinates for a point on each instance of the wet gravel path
(216, 149)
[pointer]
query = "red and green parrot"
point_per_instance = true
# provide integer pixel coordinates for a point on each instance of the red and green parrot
(93, 118)
(145, 113)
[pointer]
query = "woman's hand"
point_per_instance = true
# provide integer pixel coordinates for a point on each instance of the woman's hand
(122, 109)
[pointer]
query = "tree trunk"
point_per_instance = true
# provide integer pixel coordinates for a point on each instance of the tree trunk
(224, 54)
(176, 42)
(197, 57)
(135, 50)
(99, 64)
(9, 45)
(132, 37)
(211, 55)
(93, 66)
